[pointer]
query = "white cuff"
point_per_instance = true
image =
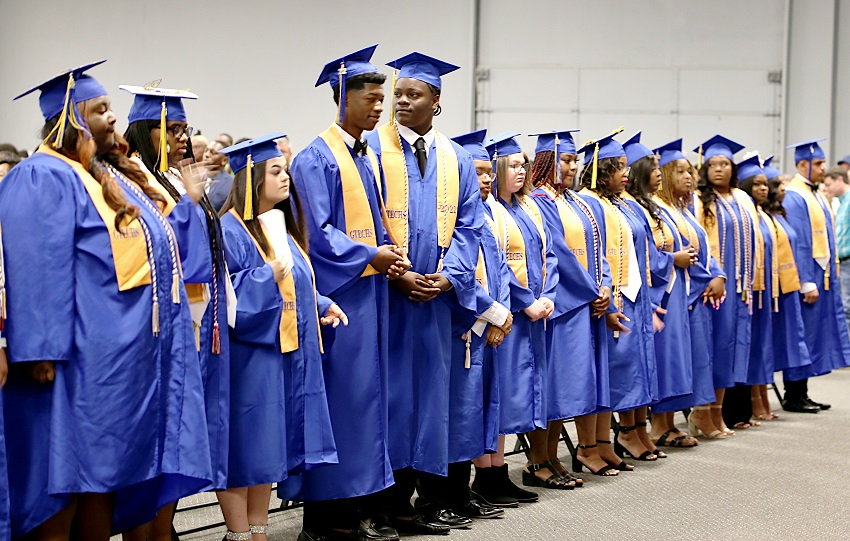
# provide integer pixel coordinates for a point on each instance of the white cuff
(495, 315)
(807, 287)
(2, 342)
(479, 327)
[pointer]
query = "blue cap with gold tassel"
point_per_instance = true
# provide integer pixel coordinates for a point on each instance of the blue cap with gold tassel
(606, 147)
(246, 155)
(337, 72)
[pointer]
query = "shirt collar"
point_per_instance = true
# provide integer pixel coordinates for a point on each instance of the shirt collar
(411, 136)
(347, 137)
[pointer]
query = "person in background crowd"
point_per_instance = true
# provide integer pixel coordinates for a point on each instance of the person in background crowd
(839, 187)
(199, 144)
(844, 163)
(285, 147)
(8, 160)
(220, 180)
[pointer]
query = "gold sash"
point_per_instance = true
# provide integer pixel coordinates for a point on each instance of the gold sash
(617, 231)
(288, 328)
(685, 229)
(359, 224)
(789, 278)
(817, 218)
(129, 250)
(574, 233)
(513, 242)
(746, 203)
(774, 270)
(395, 175)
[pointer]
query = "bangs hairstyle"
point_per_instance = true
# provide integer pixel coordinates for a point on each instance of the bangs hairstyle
(606, 169)
(502, 173)
(706, 191)
(669, 176)
(291, 208)
(359, 82)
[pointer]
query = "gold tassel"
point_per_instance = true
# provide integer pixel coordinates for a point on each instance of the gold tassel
(699, 158)
(197, 336)
(163, 140)
(63, 117)
(595, 169)
(175, 287)
(392, 94)
(248, 211)
(557, 170)
(155, 318)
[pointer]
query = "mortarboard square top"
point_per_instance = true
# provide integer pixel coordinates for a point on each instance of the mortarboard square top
(147, 105)
(719, 146)
(422, 68)
(750, 167)
(356, 63)
(474, 144)
(670, 152)
(608, 148)
(52, 98)
(770, 171)
(546, 141)
(259, 149)
(808, 150)
(504, 144)
(635, 150)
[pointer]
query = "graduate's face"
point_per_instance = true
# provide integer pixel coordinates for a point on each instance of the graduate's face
(569, 168)
(176, 136)
(781, 192)
(654, 177)
(516, 172)
(817, 171)
(684, 180)
(719, 171)
(101, 121)
(363, 107)
(484, 170)
(617, 182)
(759, 189)
(414, 104)
(276, 181)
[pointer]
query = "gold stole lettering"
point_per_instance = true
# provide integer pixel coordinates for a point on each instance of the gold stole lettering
(574, 233)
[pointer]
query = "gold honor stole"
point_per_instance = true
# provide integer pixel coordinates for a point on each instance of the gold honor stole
(359, 225)
(288, 328)
(129, 249)
(712, 231)
(774, 271)
(817, 217)
(789, 278)
(513, 242)
(574, 233)
(616, 242)
(395, 175)
(480, 267)
(685, 229)
(747, 204)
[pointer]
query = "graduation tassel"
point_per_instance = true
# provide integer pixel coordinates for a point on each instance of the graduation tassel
(811, 156)
(775, 304)
(595, 167)
(163, 140)
(392, 93)
(155, 317)
(557, 172)
(2, 309)
(340, 114)
(216, 339)
(60, 126)
(197, 336)
(248, 211)
(175, 286)
(699, 158)
(467, 363)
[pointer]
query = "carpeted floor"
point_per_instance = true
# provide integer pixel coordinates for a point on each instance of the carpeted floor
(785, 480)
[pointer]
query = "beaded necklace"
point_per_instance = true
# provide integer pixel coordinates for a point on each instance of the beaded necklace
(561, 201)
(741, 232)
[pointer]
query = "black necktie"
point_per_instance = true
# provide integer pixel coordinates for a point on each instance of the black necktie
(360, 147)
(421, 156)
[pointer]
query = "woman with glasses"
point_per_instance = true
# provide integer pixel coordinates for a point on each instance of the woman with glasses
(631, 352)
(670, 256)
(576, 342)
(158, 135)
(720, 208)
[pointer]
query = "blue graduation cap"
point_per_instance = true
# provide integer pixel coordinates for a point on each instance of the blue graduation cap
(750, 167)
(474, 144)
(808, 150)
(670, 152)
(247, 154)
(560, 142)
(336, 72)
(505, 144)
(769, 171)
(717, 146)
(422, 68)
(72, 86)
(635, 150)
(606, 147)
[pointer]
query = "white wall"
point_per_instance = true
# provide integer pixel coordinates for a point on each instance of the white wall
(672, 68)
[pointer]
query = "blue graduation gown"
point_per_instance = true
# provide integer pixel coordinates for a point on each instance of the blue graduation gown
(732, 323)
(125, 413)
(279, 417)
(672, 344)
(420, 332)
(5, 529)
(826, 329)
(521, 364)
(631, 357)
(572, 369)
(474, 391)
(789, 332)
(355, 359)
(760, 369)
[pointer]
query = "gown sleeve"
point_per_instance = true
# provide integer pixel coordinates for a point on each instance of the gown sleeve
(195, 257)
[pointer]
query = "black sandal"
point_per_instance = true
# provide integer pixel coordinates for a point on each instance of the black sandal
(554, 481)
(678, 441)
(622, 466)
(604, 471)
(556, 467)
(621, 451)
(657, 452)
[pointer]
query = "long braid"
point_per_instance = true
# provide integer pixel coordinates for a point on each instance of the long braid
(543, 167)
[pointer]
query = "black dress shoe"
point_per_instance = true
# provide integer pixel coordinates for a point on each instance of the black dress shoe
(308, 535)
(449, 518)
(382, 524)
(799, 405)
(476, 509)
(420, 525)
(818, 404)
(374, 531)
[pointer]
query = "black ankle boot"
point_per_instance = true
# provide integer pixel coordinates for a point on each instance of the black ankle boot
(508, 487)
(486, 488)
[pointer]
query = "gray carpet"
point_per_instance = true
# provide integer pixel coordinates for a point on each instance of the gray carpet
(785, 480)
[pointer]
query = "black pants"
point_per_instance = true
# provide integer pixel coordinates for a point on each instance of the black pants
(437, 492)
(342, 514)
(737, 405)
(796, 389)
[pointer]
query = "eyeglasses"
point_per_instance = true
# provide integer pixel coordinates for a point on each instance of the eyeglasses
(517, 167)
(624, 168)
(179, 131)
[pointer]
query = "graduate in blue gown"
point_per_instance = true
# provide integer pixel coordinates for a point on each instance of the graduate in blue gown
(704, 285)
(815, 255)
(474, 384)
(434, 212)
(352, 257)
(577, 367)
(198, 231)
(5, 531)
(280, 424)
(670, 256)
(719, 208)
(110, 350)
(631, 350)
